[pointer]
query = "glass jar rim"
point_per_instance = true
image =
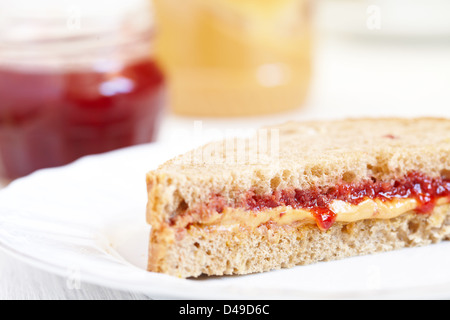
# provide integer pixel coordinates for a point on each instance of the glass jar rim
(62, 36)
(47, 20)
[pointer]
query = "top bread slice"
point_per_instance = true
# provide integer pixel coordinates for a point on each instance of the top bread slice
(299, 155)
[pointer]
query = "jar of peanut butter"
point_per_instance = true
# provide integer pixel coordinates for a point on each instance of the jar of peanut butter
(234, 57)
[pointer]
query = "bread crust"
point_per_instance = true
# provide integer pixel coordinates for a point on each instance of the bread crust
(215, 251)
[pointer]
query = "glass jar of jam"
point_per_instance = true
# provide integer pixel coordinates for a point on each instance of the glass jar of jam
(75, 80)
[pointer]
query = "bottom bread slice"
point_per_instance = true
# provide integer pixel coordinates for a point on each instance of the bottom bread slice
(224, 251)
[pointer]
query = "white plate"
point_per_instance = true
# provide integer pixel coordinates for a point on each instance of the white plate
(86, 222)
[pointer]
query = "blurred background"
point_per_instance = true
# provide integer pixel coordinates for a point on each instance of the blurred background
(82, 77)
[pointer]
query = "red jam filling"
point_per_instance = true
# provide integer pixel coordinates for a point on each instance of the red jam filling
(425, 190)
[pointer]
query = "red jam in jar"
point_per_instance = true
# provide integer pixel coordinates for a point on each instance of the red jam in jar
(51, 119)
(66, 93)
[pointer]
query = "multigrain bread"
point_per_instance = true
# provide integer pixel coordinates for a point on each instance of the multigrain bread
(300, 193)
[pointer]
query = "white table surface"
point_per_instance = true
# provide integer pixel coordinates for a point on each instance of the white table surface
(371, 77)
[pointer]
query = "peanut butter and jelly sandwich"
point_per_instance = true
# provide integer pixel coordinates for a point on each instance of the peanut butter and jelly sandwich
(300, 193)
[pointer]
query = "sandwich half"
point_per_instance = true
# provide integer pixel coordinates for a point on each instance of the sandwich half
(300, 193)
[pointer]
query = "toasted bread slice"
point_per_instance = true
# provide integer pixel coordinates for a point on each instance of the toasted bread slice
(300, 193)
